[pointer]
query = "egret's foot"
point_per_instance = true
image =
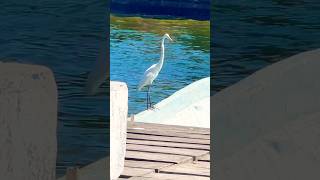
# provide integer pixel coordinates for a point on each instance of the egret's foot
(152, 107)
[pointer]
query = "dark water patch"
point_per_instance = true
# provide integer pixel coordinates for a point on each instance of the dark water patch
(248, 36)
(66, 37)
(194, 9)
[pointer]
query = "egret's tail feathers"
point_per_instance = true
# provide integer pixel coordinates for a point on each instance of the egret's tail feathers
(140, 87)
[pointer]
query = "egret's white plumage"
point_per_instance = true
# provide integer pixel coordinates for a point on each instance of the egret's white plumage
(149, 75)
(152, 72)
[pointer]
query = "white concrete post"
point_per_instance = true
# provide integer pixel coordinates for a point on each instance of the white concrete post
(28, 121)
(118, 127)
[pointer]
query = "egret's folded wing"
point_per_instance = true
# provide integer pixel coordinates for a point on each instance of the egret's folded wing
(148, 77)
(150, 69)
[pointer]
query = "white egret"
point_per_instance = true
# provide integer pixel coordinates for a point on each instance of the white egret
(152, 72)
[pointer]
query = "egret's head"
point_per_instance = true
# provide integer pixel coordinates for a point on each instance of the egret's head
(167, 36)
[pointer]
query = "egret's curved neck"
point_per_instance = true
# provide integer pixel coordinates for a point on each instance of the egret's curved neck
(162, 54)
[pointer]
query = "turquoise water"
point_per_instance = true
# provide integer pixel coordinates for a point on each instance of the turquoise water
(136, 46)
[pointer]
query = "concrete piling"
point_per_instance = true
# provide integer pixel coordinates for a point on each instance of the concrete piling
(28, 121)
(118, 127)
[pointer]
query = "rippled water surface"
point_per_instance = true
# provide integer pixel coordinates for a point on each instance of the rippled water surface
(135, 46)
(249, 35)
(65, 36)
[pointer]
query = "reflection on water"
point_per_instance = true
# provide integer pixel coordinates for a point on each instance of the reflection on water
(135, 46)
(249, 36)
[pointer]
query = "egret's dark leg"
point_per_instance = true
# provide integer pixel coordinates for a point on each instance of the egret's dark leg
(150, 102)
(148, 97)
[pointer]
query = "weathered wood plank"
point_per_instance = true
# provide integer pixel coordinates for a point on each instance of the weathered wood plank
(151, 126)
(169, 144)
(169, 133)
(203, 164)
(146, 164)
(129, 171)
(157, 157)
(193, 168)
(205, 158)
(167, 150)
(168, 139)
(165, 176)
(143, 178)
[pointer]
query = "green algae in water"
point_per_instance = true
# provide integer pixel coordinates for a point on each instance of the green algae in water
(193, 33)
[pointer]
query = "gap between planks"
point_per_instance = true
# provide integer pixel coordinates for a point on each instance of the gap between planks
(168, 139)
(169, 144)
(156, 151)
(169, 128)
(169, 134)
(167, 150)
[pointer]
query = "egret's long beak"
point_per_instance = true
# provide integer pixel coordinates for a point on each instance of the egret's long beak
(170, 38)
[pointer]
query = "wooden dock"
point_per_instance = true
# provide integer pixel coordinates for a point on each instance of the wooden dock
(159, 152)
